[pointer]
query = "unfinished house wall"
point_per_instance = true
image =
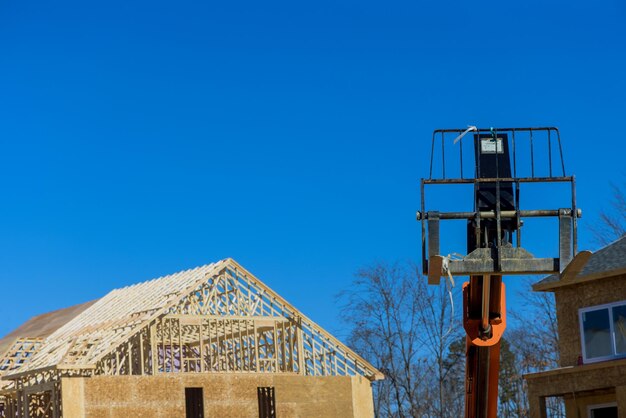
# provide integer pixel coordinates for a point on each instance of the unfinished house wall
(581, 386)
(576, 405)
(362, 398)
(136, 350)
(569, 299)
(225, 395)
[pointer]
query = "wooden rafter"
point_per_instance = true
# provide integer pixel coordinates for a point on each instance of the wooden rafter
(19, 353)
(215, 318)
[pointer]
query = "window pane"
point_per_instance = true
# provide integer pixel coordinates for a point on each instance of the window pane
(604, 412)
(597, 333)
(619, 327)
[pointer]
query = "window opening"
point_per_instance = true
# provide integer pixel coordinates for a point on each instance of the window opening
(194, 403)
(608, 410)
(267, 402)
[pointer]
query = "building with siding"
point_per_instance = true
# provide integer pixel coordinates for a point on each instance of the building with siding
(591, 315)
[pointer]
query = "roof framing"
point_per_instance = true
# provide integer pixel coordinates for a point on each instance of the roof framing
(214, 318)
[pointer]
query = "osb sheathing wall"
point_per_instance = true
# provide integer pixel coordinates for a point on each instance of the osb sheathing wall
(225, 395)
(569, 299)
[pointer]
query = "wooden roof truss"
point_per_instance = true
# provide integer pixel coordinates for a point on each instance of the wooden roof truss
(19, 353)
(215, 318)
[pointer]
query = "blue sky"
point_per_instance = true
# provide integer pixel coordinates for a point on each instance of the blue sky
(141, 138)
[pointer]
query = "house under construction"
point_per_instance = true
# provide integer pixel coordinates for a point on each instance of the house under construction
(213, 341)
(591, 318)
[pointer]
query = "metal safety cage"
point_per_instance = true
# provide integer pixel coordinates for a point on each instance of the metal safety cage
(498, 256)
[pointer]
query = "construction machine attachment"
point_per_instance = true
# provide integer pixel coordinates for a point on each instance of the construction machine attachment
(494, 229)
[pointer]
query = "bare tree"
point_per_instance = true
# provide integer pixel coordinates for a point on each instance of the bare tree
(382, 308)
(535, 344)
(455, 377)
(538, 334)
(402, 326)
(408, 331)
(612, 222)
(439, 329)
(512, 397)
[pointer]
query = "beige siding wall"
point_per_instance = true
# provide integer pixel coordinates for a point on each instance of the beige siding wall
(225, 395)
(570, 299)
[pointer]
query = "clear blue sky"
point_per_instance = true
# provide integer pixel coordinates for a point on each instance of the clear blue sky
(141, 138)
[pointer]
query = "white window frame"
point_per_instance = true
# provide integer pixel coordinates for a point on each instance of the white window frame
(598, 406)
(608, 306)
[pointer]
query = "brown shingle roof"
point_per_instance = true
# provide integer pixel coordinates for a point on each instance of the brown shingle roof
(43, 325)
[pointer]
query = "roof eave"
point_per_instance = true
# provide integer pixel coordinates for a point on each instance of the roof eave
(550, 287)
